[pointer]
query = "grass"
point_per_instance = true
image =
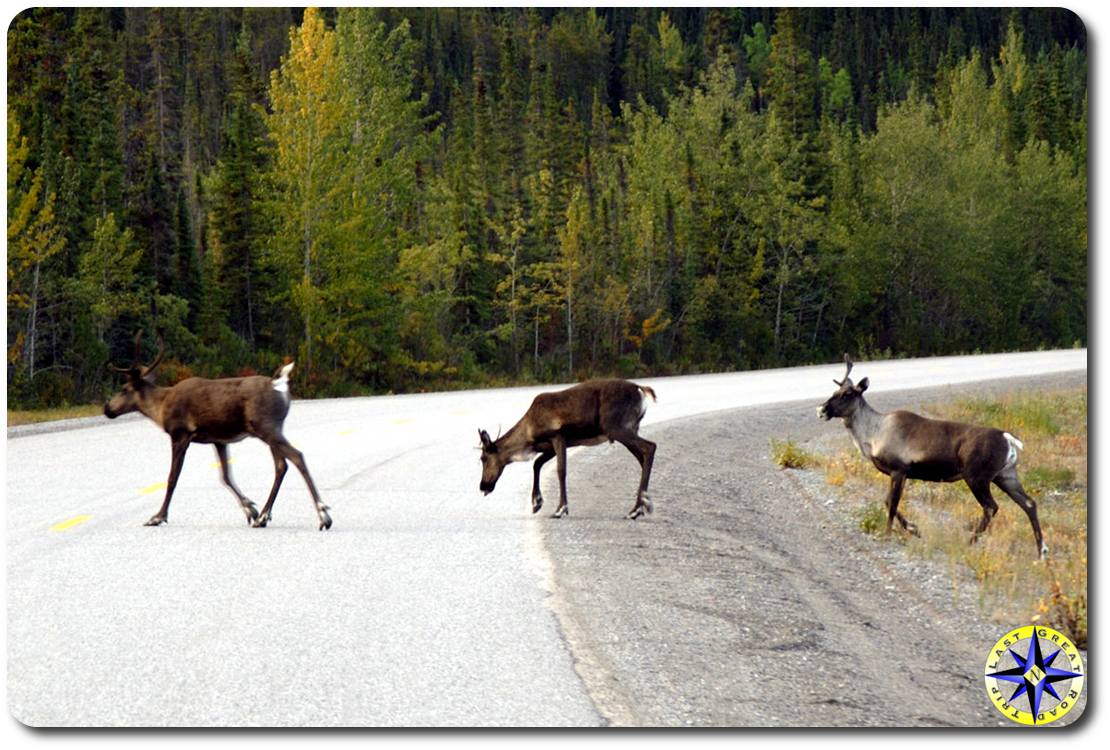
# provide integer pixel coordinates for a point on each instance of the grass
(18, 417)
(1014, 586)
(788, 455)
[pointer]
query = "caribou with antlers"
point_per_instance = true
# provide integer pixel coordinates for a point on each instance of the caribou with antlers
(904, 446)
(586, 414)
(219, 412)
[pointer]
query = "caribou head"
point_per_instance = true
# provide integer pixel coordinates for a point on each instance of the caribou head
(135, 392)
(847, 398)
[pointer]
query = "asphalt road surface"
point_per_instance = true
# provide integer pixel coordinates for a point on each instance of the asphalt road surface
(428, 604)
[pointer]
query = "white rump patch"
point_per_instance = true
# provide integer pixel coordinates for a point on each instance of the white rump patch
(1015, 446)
(281, 382)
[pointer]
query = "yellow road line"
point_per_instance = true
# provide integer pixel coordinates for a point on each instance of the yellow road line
(71, 522)
(217, 465)
(348, 432)
(456, 413)
(403, 421)
(152, 488)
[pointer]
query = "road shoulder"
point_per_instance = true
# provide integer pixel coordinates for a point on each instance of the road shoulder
(747, 599)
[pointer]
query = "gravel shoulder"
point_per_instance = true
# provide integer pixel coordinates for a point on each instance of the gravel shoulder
(749, 598)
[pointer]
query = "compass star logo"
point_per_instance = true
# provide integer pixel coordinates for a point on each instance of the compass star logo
(1034, 675)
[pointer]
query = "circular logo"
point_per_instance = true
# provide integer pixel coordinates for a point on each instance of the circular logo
(1034, 675)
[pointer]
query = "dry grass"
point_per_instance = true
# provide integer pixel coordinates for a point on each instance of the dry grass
(1015, 587)
(20, 417)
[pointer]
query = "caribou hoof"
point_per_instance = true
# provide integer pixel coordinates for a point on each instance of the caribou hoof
(912, 528)
(561, 512)
(635, 513)
(250, 511)
(155, 521)
(325, 520)
(261, 521)
(537, 503)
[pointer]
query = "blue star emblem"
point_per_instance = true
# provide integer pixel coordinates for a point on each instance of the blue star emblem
(1034, 675)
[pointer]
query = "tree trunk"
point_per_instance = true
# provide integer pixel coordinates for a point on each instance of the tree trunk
(32, 323)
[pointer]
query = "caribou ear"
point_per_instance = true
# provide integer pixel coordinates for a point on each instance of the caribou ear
(487, 444)
(863, 385)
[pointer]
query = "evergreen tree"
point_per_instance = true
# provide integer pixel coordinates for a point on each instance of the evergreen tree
(792, 114)
(235, 193)
(464, 193)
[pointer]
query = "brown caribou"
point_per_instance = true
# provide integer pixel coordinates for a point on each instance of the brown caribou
(586, 414)
(904, 445)
(198, 410)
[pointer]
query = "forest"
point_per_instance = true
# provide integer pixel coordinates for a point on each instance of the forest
(419, 199)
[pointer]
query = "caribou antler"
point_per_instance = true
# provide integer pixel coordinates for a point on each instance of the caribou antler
(135, 368)
(158, 359)
(135, 359)
(847, 372)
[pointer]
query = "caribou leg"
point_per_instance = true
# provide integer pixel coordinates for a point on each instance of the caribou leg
(559, 445)
(180, 445)
(283, 451)
(249, 509)
(280, 467)
(1009, 483)
(644, 451)
(537, 496)
(297, 458)
(982, 492)
(897, 484)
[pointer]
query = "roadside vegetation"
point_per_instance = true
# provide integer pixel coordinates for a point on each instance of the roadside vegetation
(1014, 586)
(18, 417)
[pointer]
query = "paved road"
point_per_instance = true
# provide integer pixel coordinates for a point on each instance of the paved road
(425, 605)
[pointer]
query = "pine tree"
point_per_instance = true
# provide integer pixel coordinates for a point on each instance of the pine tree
(235, 194)
(90, 136)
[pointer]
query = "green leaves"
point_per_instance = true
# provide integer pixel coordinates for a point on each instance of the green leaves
(346, 137)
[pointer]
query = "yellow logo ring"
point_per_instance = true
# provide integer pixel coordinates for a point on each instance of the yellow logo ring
(1034, 675)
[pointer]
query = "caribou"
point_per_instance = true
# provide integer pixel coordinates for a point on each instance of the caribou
(222, 411)
(904, 445)
(590, 413)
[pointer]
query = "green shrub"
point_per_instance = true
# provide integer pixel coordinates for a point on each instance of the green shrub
(788, 455)
(872, 519)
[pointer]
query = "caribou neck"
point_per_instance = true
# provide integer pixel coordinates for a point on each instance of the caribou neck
(516, 443)
(863, 423)
(152, 401)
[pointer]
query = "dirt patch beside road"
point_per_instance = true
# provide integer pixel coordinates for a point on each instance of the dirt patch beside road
(748, 599)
